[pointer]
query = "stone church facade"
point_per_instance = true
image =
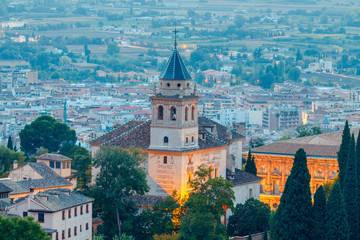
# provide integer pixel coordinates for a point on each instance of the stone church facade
(177, 141)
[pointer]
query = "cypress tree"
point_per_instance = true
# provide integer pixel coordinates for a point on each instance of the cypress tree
(337, 227)
(250, 166)
(357, 150)
(293, 217)
(350, 191)
(9, 143)
(318, 213)
(343, 153)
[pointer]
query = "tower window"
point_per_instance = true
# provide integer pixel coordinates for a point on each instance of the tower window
(166, 140)
(160, 113)
(179, 85)
(192, 113)
(173, 113)
(192, 139)
(187, 140)
(168, 84)
(188, 85)
(165, 159)
(186, 113)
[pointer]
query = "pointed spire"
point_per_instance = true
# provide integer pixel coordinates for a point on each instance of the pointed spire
(175, 32)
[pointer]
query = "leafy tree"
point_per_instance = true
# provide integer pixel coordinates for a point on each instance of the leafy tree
(251, 217)
(239, 21)
(304, 131)
(10, 144)
(351, 191)
(121, 176)
(343, 153)
(294, 74)
(292, 219)
(205, 206)
(250, 166)
(167, 236)
(49, 133)
(112, 49)
(81, 162)
(337, 227)
(7, 157)
(157, 221)
(318, 214)
(256, 142)
(21, 229)
(266, 80)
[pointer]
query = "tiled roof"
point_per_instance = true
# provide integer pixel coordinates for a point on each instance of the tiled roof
(323, 145)
(221, 130)
(46, 182)
(115, 133)
(53, 157)
(43, 170)
(16, 187)
(147, 200)
(58, 199)
(4, 203)
(175, 68)
(242, 177)
(4, 188)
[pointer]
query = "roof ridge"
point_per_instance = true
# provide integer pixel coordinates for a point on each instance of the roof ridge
(109, 131)
(221, 125)
(218, 139)
(124, 133)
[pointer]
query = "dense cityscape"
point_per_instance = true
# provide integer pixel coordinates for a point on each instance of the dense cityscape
(179, 119)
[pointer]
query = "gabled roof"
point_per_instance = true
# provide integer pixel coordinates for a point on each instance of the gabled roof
(4, 188)
(221, 130)
(53, 157)
(43, 170)
(46, 182)
(175, 68)
(16, 187)
(242, 177)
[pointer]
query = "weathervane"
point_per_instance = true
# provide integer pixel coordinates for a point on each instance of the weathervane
(175, 31)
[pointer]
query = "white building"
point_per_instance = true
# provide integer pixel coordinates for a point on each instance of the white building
(240, 115)
(61, 213)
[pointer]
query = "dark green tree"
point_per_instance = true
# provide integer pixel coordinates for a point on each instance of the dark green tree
(299, 56)
(318, 214)
(350, 191)
(21, 229)
(49, 133)
(7, 158)
(250, 166)
(81, 162)
(337, 227)
(10, 144)
(250, 217)
(293, 217)
(358, 170)
(294, 74)
(121, 177)
(112, 49)
(343, 153)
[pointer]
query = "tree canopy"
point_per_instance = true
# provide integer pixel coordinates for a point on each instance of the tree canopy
(250, 166)
(318, 214)
(49, 133)
(343, 153)
(81, 162)
(21, 229)
(121, 176)
(251, 217)
(7, 158)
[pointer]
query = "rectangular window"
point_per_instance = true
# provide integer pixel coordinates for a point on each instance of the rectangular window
(87, 226)
(69, 232)
(75, 231)
(81, 210)
(58, 165)
(63, 215)
(192, 139)
(165, 159)
(87, 208)
(187, 140)
(57, 236)
(250, 193)
(41, 218)
(69, 213)
(68, 164)
(75, 211)
(80, 228)
(63, 165)
(52, 164)
(25, 214)
(63, 235)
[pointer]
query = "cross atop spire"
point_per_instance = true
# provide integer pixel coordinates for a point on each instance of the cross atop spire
(175, 32)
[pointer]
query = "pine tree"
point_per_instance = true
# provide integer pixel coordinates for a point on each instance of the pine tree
(293, 217)
(250, 166)
(337, 227)
(343, 153)
(318, 213)
(350, 191)
(9, 143)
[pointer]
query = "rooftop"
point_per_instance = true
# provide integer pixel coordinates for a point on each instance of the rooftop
(53, 157)
(242, 177)
(175, 68)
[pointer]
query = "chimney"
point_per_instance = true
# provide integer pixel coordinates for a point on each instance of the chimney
(31, 192)
(15, 164)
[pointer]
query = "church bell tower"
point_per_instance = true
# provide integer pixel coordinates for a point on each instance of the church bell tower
(174, 125)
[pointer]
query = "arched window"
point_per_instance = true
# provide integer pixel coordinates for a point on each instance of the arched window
(192, 113)
(166, 140)
(186, 113)
(173, 113)
(160, 113)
